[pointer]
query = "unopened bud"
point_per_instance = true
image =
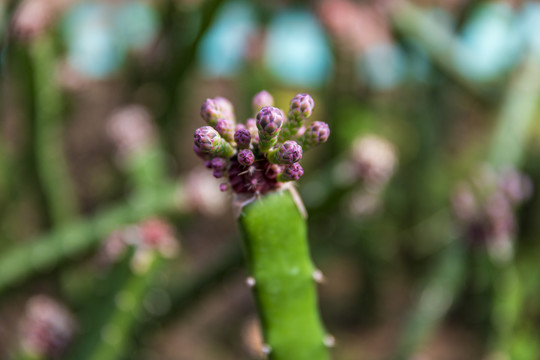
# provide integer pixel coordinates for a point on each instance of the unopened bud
(288, 153)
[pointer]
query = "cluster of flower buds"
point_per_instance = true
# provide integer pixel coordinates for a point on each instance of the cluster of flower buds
(131, 130)
(484, 208)
(147, 237)
(260, 155)
(46, 329)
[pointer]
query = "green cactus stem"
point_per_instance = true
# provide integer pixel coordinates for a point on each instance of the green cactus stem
(282, 278)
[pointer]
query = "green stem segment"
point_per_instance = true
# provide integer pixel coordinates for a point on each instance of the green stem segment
(275, 240)
(22, 261)
(51, 162)
(443, 284)
(109, 325)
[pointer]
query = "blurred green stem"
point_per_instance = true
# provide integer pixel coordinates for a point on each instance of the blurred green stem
(443, 284)
(182, 61)
(516, 115)
(47, 111)
(79, 236)
(108, 331)
(147, 169)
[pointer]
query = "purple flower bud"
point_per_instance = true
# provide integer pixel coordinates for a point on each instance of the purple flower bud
(219, 164)
(288, 153)
(227, 108)
(211, 111)
(291, 172)
(199, 153)
(251, 125)
(225, 128)
(272, 171)
(207, 163)
(261, 100)
(242, 137)
(246, 157)
(301, 108)
(317, 133)
(269, 123)
(217, 174)
(207, 140)
(223, 187)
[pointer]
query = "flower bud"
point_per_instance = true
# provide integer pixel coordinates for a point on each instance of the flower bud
(218, 164)
(242, 137)
(246, 157)
(211, 112)
(317, 133)
(251, 125)
(269, 123)
(301, 108)
(227, 108)
(288, 153)
(291, 172)
(207, 140)
(261, 100)
(225, 128)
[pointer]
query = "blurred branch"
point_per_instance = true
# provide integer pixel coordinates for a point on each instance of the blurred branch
(444, 282)
(516, 115)
(439, 44)
(109, 323)
(74, 239)
(49, 152)
(182, 62)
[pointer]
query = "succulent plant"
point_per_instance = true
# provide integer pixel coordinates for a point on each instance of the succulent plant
(257, 162)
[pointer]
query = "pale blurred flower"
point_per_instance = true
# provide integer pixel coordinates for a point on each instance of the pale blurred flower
(47, 327)
(131, 130)
(374, 160)
(33, 17)
(355, 26)
(485, 208)
(203, 193)
(147, 237)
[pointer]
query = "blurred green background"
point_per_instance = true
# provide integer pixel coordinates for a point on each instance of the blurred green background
(115, 242)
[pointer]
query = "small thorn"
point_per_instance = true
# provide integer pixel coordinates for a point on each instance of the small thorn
(266, 349)
(329, 340)
(318, 276)
(250, 281)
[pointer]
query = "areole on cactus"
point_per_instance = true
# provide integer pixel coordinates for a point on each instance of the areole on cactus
(258, 161)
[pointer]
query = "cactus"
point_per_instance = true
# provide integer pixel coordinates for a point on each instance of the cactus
(271, 217)
(282, 277)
